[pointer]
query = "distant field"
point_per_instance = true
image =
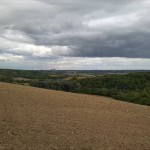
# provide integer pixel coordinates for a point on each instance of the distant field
(41, 119)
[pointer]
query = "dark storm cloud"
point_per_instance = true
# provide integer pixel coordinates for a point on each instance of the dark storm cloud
(75, 28)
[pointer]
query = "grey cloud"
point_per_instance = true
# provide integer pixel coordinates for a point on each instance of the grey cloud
(87, 28)
(3, 60)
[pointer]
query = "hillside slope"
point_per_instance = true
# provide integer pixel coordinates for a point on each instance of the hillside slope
(39, 119)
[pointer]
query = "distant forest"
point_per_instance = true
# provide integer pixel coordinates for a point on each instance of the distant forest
(132, 87)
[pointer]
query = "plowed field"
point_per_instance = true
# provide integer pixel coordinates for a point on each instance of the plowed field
(40, 119)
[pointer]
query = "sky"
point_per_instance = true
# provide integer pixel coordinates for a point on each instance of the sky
(75, 34)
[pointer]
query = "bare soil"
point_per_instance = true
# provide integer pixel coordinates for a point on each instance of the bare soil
(39, 119)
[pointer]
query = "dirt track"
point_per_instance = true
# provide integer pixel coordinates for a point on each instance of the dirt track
(39, 119)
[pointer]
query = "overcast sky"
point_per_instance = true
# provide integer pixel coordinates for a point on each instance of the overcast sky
(75, 34)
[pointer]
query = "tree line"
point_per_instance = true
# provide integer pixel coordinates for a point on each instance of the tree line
(131, 87)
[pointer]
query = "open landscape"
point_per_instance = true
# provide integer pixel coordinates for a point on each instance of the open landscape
(40, 119)
(74, 75)
(125, 85)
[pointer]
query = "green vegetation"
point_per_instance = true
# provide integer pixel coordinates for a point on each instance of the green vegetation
(131, 87)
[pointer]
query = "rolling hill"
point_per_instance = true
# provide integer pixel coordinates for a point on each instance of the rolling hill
(40, 119)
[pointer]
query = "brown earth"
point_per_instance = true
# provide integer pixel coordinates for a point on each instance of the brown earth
(39, 119)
